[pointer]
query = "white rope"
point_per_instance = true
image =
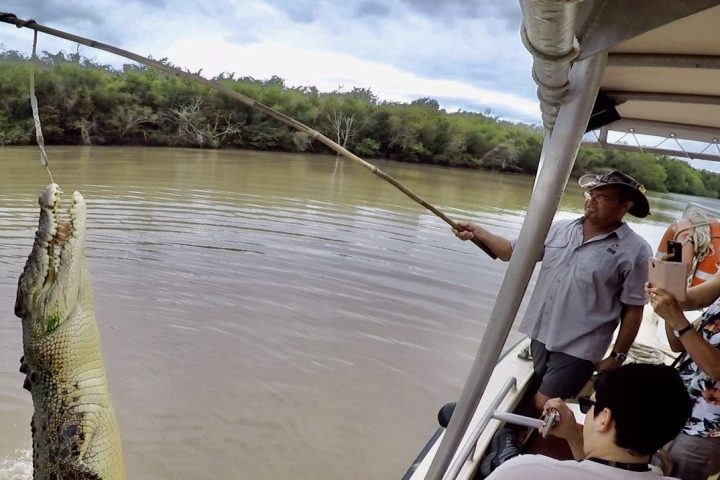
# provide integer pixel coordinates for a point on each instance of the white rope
(35, 111)
(701, 237)
(641, 353)
(550, 95)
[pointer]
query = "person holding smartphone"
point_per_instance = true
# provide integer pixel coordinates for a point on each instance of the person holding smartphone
(695, 452)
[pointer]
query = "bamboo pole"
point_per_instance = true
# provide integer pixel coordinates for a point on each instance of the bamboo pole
(32, 24)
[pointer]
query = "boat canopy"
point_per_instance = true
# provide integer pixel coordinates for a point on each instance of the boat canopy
(643, 68)
(660, 91)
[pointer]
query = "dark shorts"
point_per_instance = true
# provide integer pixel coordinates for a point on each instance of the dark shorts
(559, 374)
(692, 456)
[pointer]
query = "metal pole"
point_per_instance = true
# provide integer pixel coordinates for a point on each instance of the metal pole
(469, 445)
(521, 420)
(552, 178)
(543, 154)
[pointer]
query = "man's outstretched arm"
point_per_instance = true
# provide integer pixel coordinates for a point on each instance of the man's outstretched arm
(500, 246)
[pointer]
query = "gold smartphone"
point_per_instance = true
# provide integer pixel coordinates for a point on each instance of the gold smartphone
(670, 276)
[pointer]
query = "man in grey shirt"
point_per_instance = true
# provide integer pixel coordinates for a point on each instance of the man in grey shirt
(593, 272)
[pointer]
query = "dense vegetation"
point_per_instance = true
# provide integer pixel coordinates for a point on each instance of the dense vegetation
(82, 102)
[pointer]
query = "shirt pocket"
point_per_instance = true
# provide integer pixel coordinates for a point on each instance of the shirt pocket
(594, 266)
(555, 253)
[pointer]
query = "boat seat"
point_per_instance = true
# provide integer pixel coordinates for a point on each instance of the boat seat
(445, 413)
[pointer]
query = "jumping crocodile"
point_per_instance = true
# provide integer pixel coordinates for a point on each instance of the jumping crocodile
(74, 430)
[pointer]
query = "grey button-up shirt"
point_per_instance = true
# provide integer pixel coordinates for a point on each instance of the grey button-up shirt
(581, 288)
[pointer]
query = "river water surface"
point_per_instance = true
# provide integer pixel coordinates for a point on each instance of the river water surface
(268, 315)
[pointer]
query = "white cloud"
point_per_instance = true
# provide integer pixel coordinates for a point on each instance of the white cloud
(330, 70)
(464, 61)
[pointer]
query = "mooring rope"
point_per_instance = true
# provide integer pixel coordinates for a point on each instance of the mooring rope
(35, 111)
(287, 120)
(641, 353)
(700, 237)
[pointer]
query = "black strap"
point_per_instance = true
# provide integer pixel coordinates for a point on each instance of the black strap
(678, 360)
(684, 330)
(633, 467)
(683, 359)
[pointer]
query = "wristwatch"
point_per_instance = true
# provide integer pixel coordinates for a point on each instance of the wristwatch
(619, 357)
(686, 328)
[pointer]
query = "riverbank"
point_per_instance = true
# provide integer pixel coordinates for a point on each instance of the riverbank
(84, 103)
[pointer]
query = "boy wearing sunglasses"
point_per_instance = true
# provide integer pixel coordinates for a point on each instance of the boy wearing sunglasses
(634, 411)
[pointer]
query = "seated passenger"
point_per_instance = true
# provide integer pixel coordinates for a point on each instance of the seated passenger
(695, 452)
(635, 410)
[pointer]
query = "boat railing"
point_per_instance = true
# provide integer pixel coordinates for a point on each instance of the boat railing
(492, 413)
(708, 210)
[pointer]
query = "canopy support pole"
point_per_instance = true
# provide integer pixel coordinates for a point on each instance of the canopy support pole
(564, 142)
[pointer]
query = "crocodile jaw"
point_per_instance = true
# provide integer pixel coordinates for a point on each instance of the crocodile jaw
(48, 289)
(74, 429)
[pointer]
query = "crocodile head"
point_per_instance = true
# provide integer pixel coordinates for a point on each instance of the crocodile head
(74, 429)
(54, 285)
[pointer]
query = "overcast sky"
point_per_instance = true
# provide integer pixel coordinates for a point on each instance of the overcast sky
(464, 53)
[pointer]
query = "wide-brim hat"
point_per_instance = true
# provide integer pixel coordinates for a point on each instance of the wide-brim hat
(641, 206)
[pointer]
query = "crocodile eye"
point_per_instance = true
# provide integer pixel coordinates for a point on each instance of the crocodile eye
(52, 322)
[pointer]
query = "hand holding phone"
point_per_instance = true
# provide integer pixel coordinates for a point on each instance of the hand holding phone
(674, 251)
(670, 276)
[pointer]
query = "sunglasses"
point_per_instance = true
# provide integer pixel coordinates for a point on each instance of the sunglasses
(585, 403)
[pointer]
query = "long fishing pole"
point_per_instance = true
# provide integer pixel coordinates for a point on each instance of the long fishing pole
(33, 25)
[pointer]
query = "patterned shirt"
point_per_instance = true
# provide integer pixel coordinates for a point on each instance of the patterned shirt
(704, 391)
